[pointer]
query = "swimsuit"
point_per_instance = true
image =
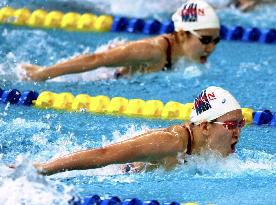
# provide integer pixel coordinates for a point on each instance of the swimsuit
(189, 145)
(168, 65)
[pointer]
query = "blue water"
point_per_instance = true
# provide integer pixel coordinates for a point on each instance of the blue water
(29, 134)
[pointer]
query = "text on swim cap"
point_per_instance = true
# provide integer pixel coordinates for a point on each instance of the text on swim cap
(190, 12)
(202, 103)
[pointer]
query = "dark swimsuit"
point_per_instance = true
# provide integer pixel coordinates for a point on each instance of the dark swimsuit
(189, 145)
(168, 65)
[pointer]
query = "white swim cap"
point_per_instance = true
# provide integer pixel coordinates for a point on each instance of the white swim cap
(195, 15)
(211, 104)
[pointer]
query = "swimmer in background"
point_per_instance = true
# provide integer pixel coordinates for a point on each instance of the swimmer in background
(248, 5)
(196, 34)
(215, 124)
(243, 5)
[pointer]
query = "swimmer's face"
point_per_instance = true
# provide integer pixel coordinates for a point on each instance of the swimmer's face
(199, 51)
(222, 139)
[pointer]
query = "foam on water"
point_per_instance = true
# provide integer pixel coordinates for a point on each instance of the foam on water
(24, 186)
(263, 16)
(12, 69)
(248, 162)
(40, 45)
(139, 8)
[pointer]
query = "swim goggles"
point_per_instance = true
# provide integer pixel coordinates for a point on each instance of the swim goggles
(231, 125)
(205, 40)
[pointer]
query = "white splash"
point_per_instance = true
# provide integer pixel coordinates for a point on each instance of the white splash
(190, 69)
(24, 186)
(21, 123)
(212, 165)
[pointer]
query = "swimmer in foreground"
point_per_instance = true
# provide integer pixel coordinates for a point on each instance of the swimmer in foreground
(196, 34)
(215, 124)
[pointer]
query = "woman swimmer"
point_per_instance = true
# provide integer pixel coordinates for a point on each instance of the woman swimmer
(196, 34)
(247, 5)
(242, 5)
(215, 124)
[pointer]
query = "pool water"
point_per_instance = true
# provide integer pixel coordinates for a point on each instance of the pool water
(29, 134)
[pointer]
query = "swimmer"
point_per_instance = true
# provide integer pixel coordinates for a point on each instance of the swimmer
(215, 124)
(196, 34)
(242, 5)
(246, 5)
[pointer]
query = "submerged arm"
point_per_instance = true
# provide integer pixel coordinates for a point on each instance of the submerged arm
(146, 147)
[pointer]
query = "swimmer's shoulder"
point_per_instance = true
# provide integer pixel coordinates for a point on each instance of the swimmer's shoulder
(180, 135)
(156, 40)
(180, 131)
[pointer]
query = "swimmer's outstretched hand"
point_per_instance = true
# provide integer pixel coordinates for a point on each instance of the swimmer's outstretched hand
(33, 72)
(39, 168)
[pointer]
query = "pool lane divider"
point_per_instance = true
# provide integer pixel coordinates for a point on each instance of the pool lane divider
(101, 104)
(114, 200)
(89, 22)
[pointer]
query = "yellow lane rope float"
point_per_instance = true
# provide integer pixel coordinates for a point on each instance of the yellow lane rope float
(71, 21)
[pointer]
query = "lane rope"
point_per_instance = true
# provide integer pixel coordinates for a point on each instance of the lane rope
(114, 200)
(101, 104)
(90, 22)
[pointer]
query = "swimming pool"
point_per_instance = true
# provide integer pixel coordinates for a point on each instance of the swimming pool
(30, 134)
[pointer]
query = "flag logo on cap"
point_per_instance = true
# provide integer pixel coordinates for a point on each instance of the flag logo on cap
(190, 12)
(212, 103)
(202, 103)
(195, 15)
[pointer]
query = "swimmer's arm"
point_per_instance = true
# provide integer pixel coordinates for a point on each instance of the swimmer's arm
(130, 54)
(147, 147)
(247, 5)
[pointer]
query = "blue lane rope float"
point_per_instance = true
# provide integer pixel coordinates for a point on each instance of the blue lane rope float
(73, 21)
(248, 34)
(114, 200)
(152, 109)
(262, 117)
(13, 96)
